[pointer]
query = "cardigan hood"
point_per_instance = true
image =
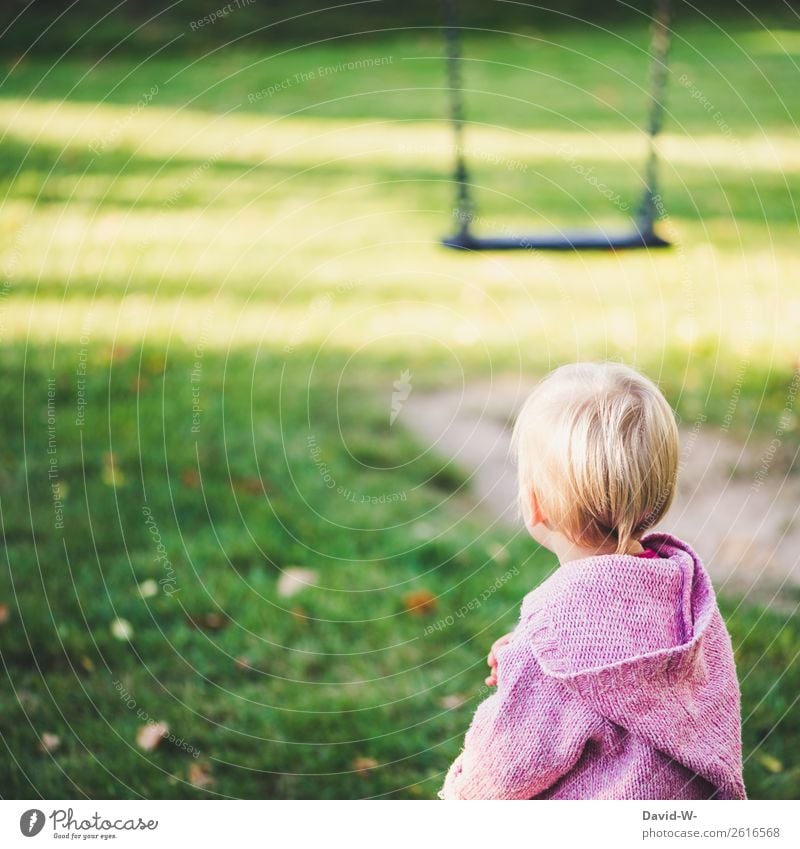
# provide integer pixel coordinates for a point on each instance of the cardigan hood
(642, 642)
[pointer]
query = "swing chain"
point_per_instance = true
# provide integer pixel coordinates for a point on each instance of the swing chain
(464, 210)
(649, 208)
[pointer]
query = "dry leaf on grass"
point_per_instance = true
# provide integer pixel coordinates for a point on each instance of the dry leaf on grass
(498, 553)
(121, 629)
(294, 579)
(299, 615)
(242, 664)
(49, 743)
(208, 621)
(149, 736)
(190, 478)
(199, 774)
(28, 701)
(148, 588)
(422, 530)
(363, 765)
(251, 486)
(453, 701)
(420, 602)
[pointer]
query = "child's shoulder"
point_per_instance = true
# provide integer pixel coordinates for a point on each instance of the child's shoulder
(603, 609)
(595, 584)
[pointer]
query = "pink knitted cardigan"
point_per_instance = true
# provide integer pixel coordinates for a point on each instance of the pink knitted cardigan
(618, 683)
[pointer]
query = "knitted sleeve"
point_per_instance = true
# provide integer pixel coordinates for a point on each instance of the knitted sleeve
(523, 738)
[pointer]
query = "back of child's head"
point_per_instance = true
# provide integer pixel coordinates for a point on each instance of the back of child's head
(597, 444)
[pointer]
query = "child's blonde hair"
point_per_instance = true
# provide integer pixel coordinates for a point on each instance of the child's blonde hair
(597, 443)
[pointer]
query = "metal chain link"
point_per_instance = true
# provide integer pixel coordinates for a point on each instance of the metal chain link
(659, 51)
(659, 55)
(464, 205)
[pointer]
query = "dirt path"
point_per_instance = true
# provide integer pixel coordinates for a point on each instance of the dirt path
(743, 519)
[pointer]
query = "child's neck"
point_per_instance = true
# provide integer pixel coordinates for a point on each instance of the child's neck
(565, 550)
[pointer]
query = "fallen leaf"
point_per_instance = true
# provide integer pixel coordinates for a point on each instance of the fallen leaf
(49, 743)
(420, 602)
(28, 701)
(252, 486)
(422, 530)
(199, 775)
(5, 614)
(190, 478)
(299, 615)
(149, 736)
(208, 621)
(121, 629)
(453, 701)
(498, 553)
(148, 588)
(294, 579)
(363, 765)
(770, 763)
(242, 664)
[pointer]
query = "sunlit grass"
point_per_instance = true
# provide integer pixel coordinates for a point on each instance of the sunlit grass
(290, 247)
(181, 135)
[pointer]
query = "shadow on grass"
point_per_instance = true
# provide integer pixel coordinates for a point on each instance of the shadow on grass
(181, 524)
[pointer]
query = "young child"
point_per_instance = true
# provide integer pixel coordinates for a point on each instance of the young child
(619, 680)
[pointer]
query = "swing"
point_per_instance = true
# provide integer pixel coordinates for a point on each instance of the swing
(641, 234)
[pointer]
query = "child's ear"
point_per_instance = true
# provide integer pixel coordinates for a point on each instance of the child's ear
(536, 515)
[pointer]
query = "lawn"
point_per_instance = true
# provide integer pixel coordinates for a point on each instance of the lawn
(216, 266)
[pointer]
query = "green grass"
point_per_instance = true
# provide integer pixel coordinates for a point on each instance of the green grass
(288, 245)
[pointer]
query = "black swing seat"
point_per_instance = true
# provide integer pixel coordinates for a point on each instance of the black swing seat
(575, 240)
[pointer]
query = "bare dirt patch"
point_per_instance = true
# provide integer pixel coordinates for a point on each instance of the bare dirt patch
(736, 504)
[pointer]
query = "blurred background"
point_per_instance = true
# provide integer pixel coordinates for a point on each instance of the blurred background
(254, 490)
